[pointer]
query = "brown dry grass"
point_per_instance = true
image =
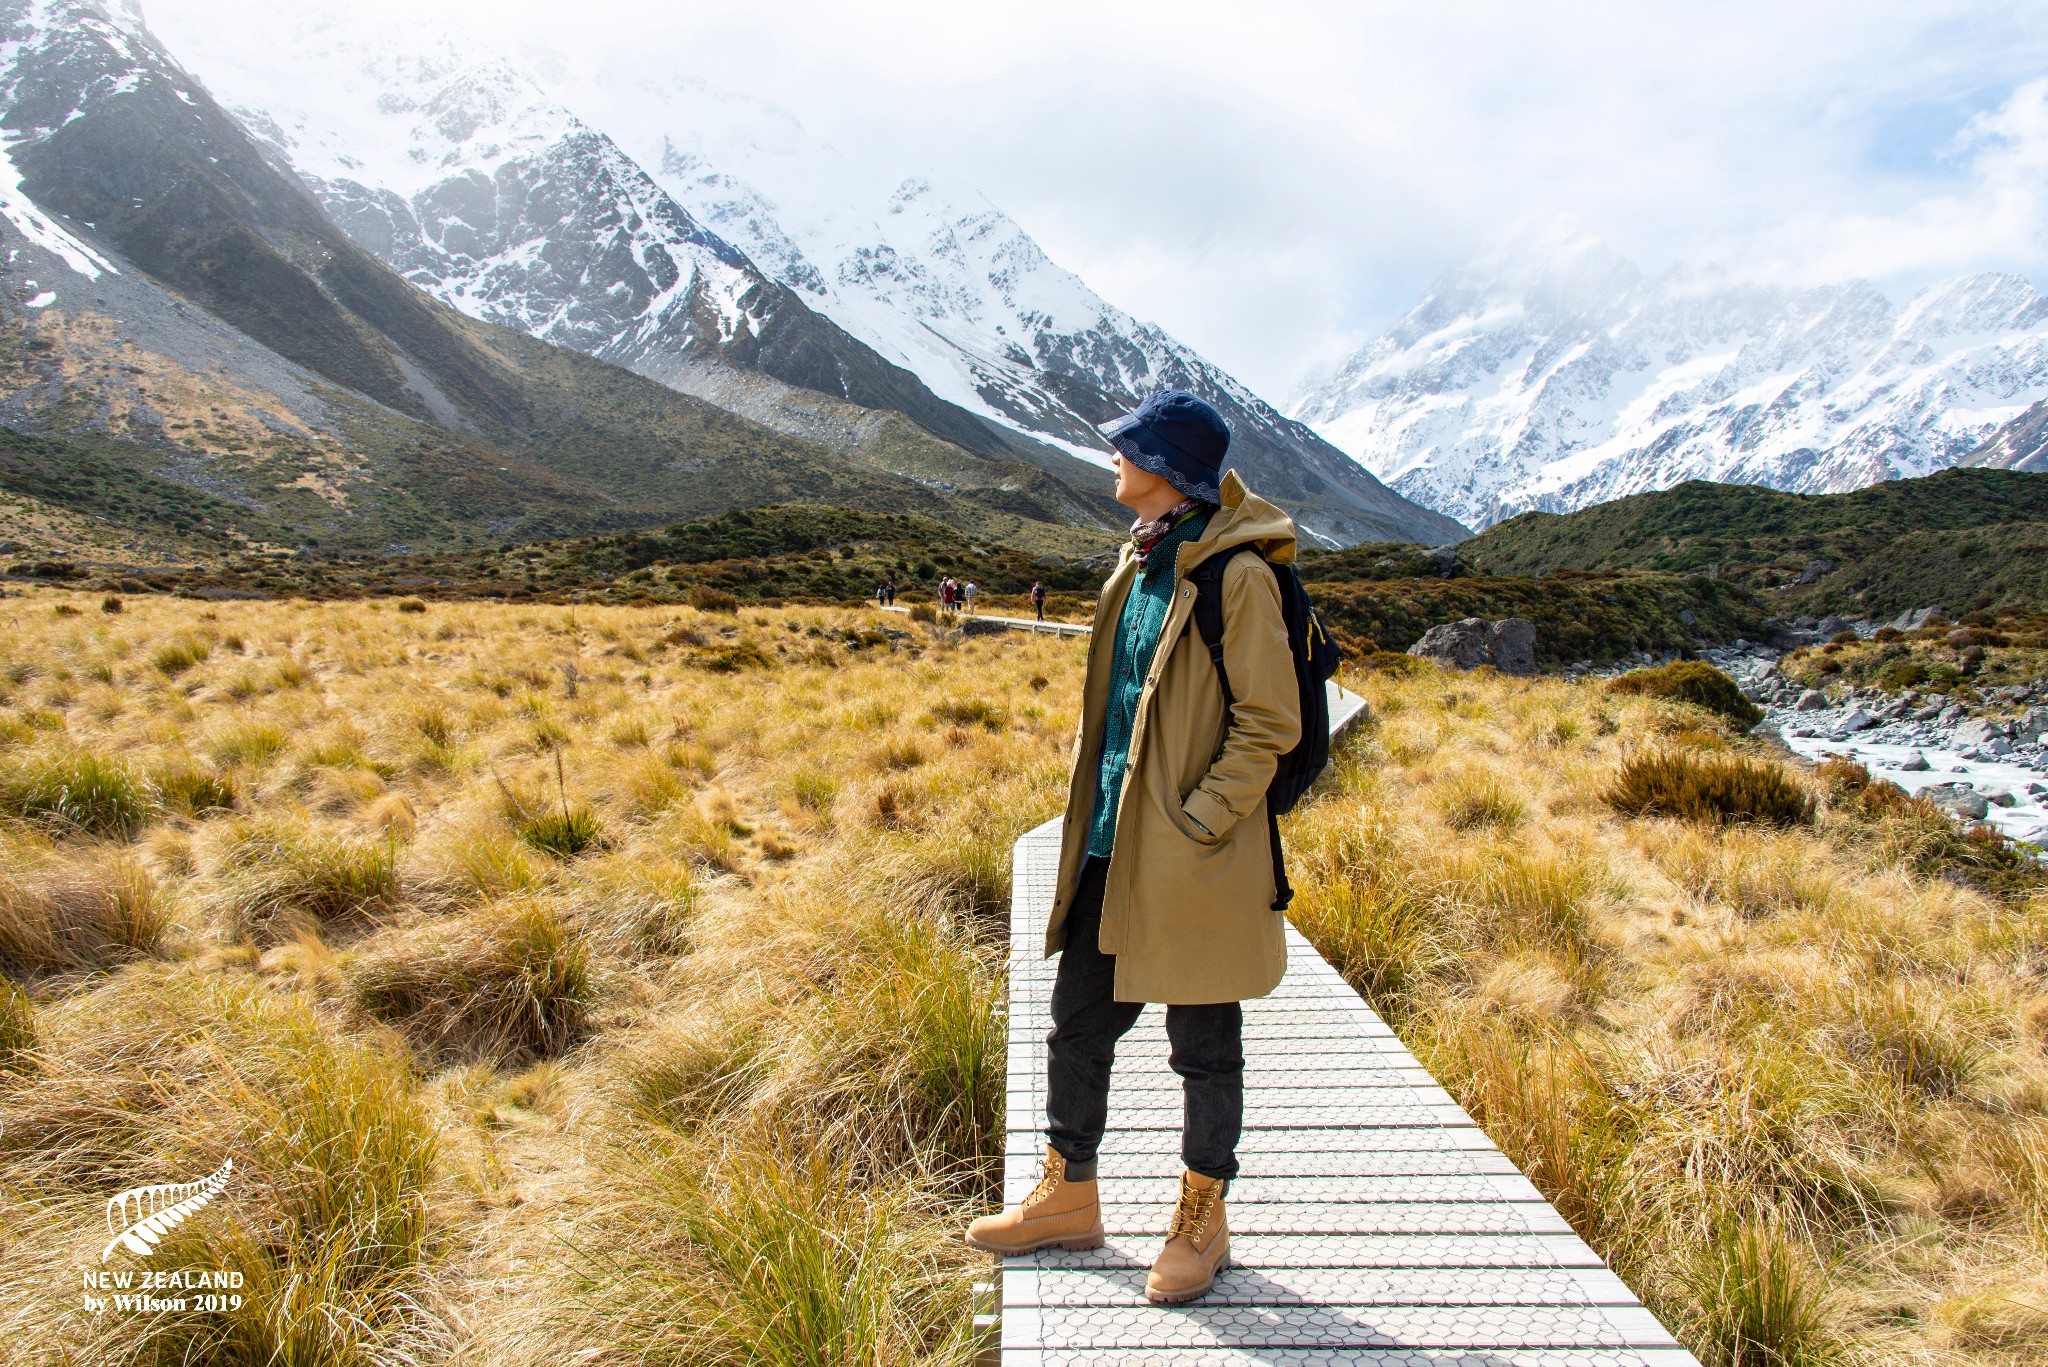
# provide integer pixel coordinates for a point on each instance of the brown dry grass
(1793, 1083)
(510, 1004)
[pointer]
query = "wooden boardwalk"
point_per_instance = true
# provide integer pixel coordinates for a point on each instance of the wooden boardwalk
(1015, 623)
(1374, 1223)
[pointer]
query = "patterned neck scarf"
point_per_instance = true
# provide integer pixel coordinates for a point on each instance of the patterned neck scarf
(1146, 535)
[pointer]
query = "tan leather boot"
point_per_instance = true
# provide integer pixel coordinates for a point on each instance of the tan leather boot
(1057, 1214)
(1197, 1244)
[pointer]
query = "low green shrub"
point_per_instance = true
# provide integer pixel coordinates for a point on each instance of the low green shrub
(1708, 787)
(704, 598)
(733, 657)
(969, 712)
(1691, 681)
(1902, 674)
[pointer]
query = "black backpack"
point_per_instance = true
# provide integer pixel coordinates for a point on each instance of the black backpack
(1315, 659)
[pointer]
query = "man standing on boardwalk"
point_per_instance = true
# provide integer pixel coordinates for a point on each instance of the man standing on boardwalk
(1166, 881)
(1038, 599)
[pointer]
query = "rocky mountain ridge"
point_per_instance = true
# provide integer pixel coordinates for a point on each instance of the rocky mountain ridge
(1551, 373)
(633, 235)
(196, 350)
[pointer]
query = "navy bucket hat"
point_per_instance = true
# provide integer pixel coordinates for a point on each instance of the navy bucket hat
(1177, 437)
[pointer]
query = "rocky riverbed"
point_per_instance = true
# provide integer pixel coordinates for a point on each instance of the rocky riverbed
(1986, 761)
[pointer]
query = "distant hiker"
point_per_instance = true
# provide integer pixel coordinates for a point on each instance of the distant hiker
(1165, 898)
(881, 595)
(889, 589)
(968, 595)
(1038, 600)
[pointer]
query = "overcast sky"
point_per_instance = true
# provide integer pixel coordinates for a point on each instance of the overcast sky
(1274, 182)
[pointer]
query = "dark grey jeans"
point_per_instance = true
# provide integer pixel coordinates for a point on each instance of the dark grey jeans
(1087, 1021)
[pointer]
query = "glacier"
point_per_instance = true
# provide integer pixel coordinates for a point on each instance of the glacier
(1551, 373)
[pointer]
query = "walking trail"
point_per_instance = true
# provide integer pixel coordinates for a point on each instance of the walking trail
(1375, 1225)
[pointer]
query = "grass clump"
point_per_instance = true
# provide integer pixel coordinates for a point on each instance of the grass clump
(758, 1253)
(194, 790)
(1473, 800)
(90, 911)
(1759, 1300)
(326, 1214)
(17, 1029)
(175, 657)
(506, 983)
(1724, 789)
(76, 790)
(1691, 681)
(550, 823)
(284, 877)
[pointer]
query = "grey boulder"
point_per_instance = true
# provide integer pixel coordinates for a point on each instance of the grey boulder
(1978, 731)
(1958, 798)
(1812, 700)
(1914, 762)
(1509, 645)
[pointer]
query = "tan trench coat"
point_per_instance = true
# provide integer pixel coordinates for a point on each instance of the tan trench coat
(1190, 916)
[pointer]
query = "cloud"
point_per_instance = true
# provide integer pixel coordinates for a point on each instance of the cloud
(1274, 183)
(1995, 217)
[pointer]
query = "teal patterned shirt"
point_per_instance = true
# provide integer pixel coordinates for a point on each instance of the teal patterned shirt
(1137, 640)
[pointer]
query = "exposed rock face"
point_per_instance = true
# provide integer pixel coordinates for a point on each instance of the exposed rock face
(1916, 618)
(1812, 700)
(1509, 645)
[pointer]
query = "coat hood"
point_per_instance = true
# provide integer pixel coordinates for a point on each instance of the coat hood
(1243, 517)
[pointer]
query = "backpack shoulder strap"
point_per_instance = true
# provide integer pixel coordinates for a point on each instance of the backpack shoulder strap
(1208, 613)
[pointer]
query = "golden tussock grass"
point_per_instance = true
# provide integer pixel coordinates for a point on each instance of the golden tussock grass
(675, 1003)
(1772, 1041)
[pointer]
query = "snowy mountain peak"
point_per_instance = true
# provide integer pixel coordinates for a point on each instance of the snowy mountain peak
(1551, 373)
(668, 225)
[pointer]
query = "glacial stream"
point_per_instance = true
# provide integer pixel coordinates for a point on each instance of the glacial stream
(1962, 762)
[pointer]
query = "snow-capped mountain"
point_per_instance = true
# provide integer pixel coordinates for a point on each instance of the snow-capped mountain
(673, 228)
(1551, 373)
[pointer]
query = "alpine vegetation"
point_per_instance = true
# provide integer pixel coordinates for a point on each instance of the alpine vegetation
(1775, 1042)
(526, 1002)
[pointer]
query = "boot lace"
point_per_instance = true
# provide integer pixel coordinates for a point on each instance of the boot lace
(1055, 1170)
(1191, 1213)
